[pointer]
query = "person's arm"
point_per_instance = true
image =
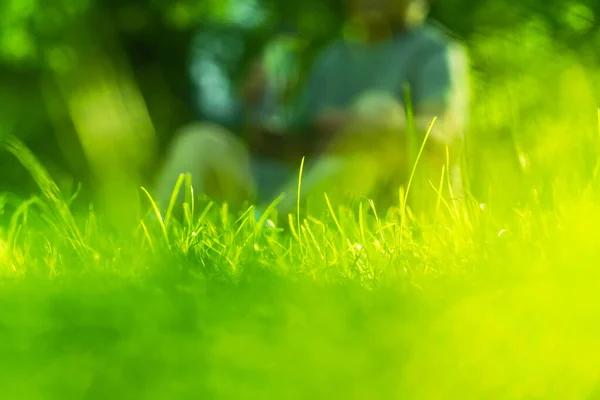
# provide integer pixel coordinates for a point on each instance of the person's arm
(262, 139)
(441, 90)
(304, 131)
(283, 145)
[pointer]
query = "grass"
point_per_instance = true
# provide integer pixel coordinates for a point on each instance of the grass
(352, 305)
(496, 298)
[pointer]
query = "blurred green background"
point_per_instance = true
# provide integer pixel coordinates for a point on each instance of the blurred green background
(498, 302)
(97, 88)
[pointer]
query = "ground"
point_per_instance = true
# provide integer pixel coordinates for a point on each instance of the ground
(214, 304)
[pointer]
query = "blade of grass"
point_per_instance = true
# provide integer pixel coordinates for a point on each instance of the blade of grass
(173, 199)
(16, 225)
(190, 202)
(299, 194)
(361, 222)
(159, 218)
(203, 215)
(335, 219)
(265, 215)
(379, 224)
(412, 174)
(293, 228)
(50, 191)
(147, 236)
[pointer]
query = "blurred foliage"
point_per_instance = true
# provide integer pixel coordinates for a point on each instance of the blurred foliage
(205, 307)
(530, 59)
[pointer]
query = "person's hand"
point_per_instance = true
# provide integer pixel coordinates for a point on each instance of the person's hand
(374, 111)
(254, 84)
(255, 136)
(331, 122)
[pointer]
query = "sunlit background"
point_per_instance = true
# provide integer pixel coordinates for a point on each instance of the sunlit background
(98, 89)
(498, 303)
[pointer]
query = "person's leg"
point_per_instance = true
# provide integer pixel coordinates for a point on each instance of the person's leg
(269, 175)
(366, 161)
(218, 162)
(338, 176)
(361, 160)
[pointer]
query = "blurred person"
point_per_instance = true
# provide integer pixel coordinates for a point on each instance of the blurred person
(350, 118)
(228, 116)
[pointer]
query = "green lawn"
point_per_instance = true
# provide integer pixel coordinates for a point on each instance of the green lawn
(487, 302)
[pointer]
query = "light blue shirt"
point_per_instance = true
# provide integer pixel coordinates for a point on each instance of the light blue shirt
(433, 65)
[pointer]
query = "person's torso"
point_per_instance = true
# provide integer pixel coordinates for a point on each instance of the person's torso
(348, 69)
